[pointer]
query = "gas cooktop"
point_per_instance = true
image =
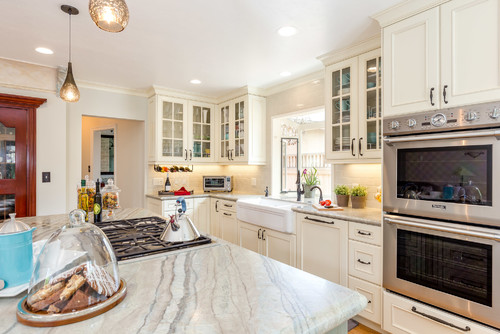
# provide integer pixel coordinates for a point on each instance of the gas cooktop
(132, 238)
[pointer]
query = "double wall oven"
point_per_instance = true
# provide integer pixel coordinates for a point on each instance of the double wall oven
(442, 209)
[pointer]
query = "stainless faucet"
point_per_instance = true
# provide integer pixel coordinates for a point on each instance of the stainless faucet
(320, 193)
(300, 190)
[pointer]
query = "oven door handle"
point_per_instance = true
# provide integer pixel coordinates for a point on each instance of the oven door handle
(456, 135)
(483, 235)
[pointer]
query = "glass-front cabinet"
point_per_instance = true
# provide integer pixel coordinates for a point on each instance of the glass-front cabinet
(242, 127)
(353, 106)
(180, 131)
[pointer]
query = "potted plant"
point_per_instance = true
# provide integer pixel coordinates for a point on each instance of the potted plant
(358, 197)
(342, 192)
(310, 180)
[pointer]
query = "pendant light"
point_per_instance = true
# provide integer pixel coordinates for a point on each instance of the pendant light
(109, 15)
(69, 91)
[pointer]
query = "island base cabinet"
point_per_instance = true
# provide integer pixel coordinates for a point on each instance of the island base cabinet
(372, 292)
(201, 214)
(278, 246)
(401, 317)
(322, 247)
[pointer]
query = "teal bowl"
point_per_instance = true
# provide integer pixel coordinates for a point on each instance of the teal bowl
(16, 258)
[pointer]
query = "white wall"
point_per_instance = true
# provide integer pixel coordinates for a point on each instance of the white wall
(101, 104)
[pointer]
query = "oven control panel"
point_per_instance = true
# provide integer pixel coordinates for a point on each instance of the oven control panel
(475, 116)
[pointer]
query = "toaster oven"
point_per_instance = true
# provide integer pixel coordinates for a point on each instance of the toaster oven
(217, 183)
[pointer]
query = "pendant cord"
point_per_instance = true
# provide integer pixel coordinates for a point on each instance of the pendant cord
(70, 36)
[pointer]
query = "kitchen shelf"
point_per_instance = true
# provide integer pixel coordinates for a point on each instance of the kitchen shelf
(172, 169)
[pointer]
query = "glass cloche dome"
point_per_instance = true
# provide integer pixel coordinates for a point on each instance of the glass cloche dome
(76, 270)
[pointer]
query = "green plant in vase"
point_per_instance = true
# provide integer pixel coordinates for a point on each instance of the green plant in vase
(358, 197)
(311, 179)
(342, 193)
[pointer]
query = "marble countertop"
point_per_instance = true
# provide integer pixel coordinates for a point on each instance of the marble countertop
(221, 288)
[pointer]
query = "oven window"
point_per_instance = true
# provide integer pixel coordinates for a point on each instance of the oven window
(460, 174)
(214, 183)
(457, 267)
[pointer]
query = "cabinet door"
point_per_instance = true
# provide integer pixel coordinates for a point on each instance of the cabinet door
(365, 261)
(370, 105)
(372, 292)
(470, 51)
(172, 123)
(240, 121)
(215, 217)
(201, 132)
(411, 64)
(323, 247)
(225, 132)
(342, 110)
(279, 246)
(228, 226)
(249, 237)
(202, 214)
(154, 205)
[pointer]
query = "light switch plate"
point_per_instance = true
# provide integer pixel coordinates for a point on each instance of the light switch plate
(45, 177)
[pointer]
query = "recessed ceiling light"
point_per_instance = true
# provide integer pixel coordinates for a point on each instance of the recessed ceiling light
(287, 31)
(195, 82)
(285, 74)
(45, 51)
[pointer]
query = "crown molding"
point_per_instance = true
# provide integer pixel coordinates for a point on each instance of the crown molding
(350, 51)
(305, 79)
(404, 10)
(111, 88)
(180, 94)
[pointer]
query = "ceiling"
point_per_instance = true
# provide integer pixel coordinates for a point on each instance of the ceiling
(227, 44)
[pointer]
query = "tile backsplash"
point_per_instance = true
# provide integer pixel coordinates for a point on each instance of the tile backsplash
(368, 175)
(244, 178)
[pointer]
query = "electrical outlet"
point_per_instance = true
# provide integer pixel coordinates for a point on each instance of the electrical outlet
(254, 181)
(157, 181)
(45, 177)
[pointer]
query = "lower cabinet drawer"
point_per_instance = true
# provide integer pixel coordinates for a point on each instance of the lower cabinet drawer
(365, 261)
(403, 315)
(372, 292)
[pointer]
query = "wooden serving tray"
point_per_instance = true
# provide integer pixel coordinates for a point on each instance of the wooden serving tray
(322, 208)
(28, 318)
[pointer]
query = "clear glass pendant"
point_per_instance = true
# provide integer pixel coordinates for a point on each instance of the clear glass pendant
(109, 15)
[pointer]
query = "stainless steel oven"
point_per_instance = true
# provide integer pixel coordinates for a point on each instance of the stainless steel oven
(452, 266)
(444, 164)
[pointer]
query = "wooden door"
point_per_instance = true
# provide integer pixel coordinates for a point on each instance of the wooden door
(411, 64)
(470, 51)
(17, 155)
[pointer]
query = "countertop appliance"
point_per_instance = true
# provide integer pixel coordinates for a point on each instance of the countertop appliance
(441, 205)
(132, 238)
(217, 183)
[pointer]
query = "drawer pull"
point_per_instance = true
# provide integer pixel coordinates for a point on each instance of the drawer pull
(319, 221)
(441, 321)
(363, 262)
(227, 214)
(228, 206)
(364, 233)
(258, 233)
(263, 231)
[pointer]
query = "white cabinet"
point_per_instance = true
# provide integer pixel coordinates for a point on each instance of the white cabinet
(201, 214)
(276, 245)
(180, 130)
(223, 220)
(322, 247)
(365, 267)
(405, 316)
(443, 57)
(242, 129)
(353, 108)
(154, 205)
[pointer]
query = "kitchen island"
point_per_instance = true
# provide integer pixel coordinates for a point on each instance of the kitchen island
(215, 288)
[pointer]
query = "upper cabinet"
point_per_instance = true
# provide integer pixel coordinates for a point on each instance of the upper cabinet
(242, 130)
(443, 57)
(185, 131)
(180, 131)
(353, 108)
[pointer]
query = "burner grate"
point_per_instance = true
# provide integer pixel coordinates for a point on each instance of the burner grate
(132, 238)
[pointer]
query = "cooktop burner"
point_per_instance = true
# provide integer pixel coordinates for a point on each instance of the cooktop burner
(138, 237)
